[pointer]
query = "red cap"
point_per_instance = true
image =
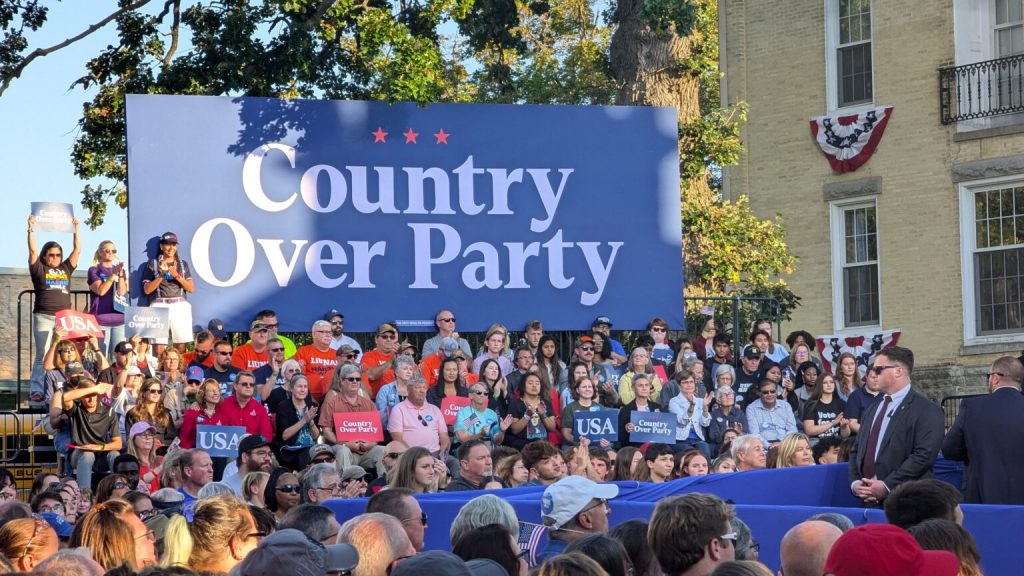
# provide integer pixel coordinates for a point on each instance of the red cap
(886, 550)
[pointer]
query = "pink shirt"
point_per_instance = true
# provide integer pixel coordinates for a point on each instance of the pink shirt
(406, 418)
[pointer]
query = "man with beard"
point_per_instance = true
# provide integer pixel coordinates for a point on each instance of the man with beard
(254, 455)
(338, 337)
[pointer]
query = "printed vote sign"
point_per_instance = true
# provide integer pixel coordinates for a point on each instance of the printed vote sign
(600, 425)
(146, 322)
(78, 324)
(657, 427)
(220, 440)
(53, 216)
(352, 426)
(450, 406)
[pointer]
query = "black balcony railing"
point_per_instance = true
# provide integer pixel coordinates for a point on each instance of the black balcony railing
(983, 89)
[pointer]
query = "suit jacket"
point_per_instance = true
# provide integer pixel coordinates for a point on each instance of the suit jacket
(910, 445)
(987, 436)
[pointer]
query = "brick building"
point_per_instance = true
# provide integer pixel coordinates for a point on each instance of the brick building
(927, 236)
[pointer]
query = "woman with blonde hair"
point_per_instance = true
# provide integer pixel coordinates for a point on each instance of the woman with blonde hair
(223, 533)
(795, 450)
(177, 543)
(495, 348)
(115, 536)
(26, 542)
(107, 278)
(142, 444)
(639, 363)
(253, 486)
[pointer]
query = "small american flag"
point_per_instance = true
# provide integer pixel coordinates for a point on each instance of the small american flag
(529, 540)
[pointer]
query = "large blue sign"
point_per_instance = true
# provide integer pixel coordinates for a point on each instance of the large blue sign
(392, 212)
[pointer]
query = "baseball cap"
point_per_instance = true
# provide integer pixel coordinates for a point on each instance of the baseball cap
(581, 340)
(216, 327)
(353, 473)
(251, 442)
(318, 449)
(346, 349)
(448, 345)
(258, 326)
(485, 567)
(386, 327)
(330, 315)
(133, 370)
(432, 562)
(602, 320)
(286, 551)
(341, 557)
(169, 238)
(194, 374)
(124, 347)
(884, 550)
(139, 428)
(62, 527)
(566, 498)
(752, 352)
(73, 368)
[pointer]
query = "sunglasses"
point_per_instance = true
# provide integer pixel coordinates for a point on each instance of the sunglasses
(337, 322)
(348, 356)
(657, 329)
(223, 353)
(877, 370)
(147, 514)
(351, 379)
(479, 392)
(388, 336)
(246, 384)
(324, 460)
(586, 348)
(289, 488)
(422, 421)
(157, 390)
(452, 319)
(275, 349)
(109, 250)
(120, 485)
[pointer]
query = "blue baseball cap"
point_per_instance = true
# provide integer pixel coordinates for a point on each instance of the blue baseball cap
(195, 373)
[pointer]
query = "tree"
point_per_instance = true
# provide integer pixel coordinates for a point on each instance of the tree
(636, 52)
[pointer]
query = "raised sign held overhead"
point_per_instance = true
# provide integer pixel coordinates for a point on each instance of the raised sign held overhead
(547, 211)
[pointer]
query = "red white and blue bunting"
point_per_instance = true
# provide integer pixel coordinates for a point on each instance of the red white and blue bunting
(863, 347)
(848, 141)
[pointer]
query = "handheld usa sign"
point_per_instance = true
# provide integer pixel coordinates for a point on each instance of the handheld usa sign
(657, 427)
(219, 440)
(146, 322)
(78, 324)
(600, 425)
(352, 426)
(545, 211)
(450, 407)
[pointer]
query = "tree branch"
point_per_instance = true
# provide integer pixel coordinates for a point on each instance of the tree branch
(39, 52)
(174, 32)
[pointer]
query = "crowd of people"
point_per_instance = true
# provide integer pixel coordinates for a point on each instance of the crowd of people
(136, 491)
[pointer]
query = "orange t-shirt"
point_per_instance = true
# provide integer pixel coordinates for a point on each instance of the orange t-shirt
(247, 358)
(430, 368)
(376, 358)
(318, 368)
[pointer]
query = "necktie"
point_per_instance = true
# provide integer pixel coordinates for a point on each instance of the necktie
(876, 427)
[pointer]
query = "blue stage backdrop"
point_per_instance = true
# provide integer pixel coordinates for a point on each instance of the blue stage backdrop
(391, 212)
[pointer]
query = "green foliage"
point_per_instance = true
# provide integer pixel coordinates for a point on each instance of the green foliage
(666, 15)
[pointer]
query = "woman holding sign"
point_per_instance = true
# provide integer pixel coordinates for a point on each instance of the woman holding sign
(641, 402)
(208, 398)
(51, 285)
(586, 401)
(167, 280)
(109, 286)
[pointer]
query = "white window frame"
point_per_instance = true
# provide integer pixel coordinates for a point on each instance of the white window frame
(832, 67)
(966, 191)
(837, 232)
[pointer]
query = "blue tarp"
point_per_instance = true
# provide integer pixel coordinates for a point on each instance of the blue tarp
(769, 501)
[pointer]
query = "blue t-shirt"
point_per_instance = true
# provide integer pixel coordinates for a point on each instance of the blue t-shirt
(474, 422)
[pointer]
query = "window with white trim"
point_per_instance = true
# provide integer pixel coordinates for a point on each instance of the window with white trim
(996, 250)
(855, 273)
(848, 58)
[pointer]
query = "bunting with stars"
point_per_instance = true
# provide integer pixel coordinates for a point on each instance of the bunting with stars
(849, 140)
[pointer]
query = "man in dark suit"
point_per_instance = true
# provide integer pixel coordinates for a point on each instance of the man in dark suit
(901, 431)
(987, 435)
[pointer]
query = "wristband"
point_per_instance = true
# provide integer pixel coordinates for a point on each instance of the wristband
(102, 446)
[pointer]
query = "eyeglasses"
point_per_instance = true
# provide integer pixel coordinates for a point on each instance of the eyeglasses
(324, 460)
(586, 348)
(657, 329)
(352, 379)
(157, 390)
(257, 535)
(146, 435)
(600, 502)
(275, 350)
(288, 489)
(333, 488)
(769, 392)
(877, 370)
(39, 523)
(246, 384)
(731, 536)
(148, 535)
(224, 352)
(270, 326)
(422, 519)
(991, 374)
(479, 392)
(54, 509)
(451, 319)
(66, 350)
(54, 255)
(147, 514)
(387, 336)
(120, 485)
(755, 546)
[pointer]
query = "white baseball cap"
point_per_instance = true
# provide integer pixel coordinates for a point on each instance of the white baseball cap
(566, 498)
